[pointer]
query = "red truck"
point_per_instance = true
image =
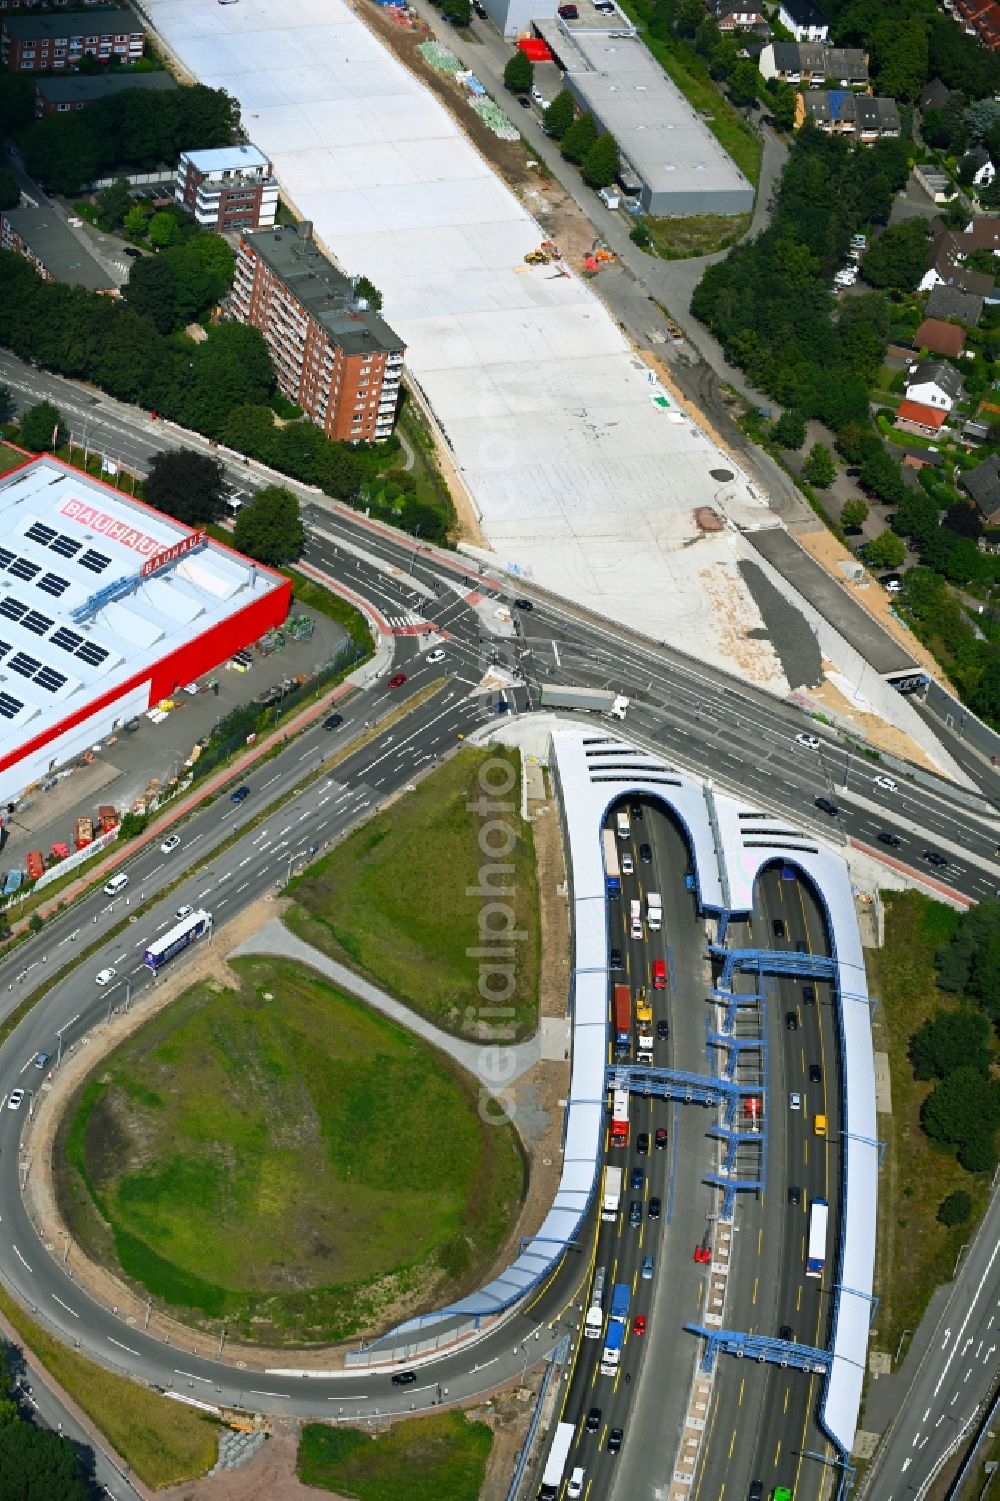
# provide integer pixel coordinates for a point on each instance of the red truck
(623, 1021)
(36, 865)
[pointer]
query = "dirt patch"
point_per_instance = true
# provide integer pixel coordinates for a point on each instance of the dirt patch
(270, 1473)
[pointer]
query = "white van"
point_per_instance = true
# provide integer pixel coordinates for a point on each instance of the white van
(635, 913)
(624, 827)
(116, 884)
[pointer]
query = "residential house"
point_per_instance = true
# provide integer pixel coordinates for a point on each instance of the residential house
(975, 434)
(921, 458)
(952, 302)
(813, 63)
(230, 188)
(58, 41)
(738, 15)
(804, 20)
(976, 167)
(74, 91)
(333, 355)
(983, 484)
(839, 112)
(948, 269)
(924, 421)
(940, 338)
(934, 383)
(934, 95)
(48, 242)
(981, 233)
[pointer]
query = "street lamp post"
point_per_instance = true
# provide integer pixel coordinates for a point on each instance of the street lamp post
(413, 554)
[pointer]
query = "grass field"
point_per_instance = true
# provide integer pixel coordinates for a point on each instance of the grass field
(392, 899)
(915, 1253)
(696, 234)
(440, 1458)
(285, 1161)
(163, 1441)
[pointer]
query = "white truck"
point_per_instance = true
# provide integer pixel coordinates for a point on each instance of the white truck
(635, 919)
(623, 826)
(612, 1193)
(644, 1053)
(593, 1324)
(609, 197)
(654, 911)
(599, 700)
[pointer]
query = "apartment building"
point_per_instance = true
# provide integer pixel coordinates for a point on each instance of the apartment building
(47, 241)
(230, 188)
(57, 41)
(74, 91)
(338, 360)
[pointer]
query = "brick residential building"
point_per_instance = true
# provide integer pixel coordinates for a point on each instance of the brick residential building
(74, 91)
(339, 361)
(48, 242)
(231, 188)
(57, 41)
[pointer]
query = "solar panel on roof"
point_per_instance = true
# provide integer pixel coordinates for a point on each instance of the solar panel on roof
(6, 558)
(39, 532)
(22, 569)
(93, 654)
(12, 608)
(37, 623)
(52, 583)
(96, 562)
(66, 547)
(5, 647)
(50, 679)
(67, 639)
(21, 663)
(9, 707)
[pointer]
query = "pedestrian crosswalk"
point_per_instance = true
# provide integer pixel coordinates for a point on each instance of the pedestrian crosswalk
(409, 623)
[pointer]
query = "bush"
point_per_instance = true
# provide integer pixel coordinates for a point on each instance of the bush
(955, 1209)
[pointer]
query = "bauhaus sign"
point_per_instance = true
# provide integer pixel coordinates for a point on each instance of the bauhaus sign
(111, 527)
(171, 554)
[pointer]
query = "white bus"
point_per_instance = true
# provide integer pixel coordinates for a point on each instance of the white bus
(177, 938)
(556, 1462)
(819, 1214)
(594, 1322)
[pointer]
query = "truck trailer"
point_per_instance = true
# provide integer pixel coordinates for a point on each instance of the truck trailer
(623, 1021)
(612, 1193)
(654, 911)
(598, 700)
(615, 1337)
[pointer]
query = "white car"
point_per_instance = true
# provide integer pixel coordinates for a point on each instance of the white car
(16, 1097)
(105, 976)
(169, 845)
(636, 928)
(627, 866)
(437, 655)
(183, 912)
(811, 742)
(886, 783)
(794, 1101)
(575, 1487)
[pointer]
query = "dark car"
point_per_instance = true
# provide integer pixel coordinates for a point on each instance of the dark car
(615, 959)
(653, 1209)
(756, 1491)
(404, 1378)
(893, 840)
(933, 858)
(660, 1139)
(791, 1021)
(240, 795)
(636, 810)
(645, 854)
(662, 1030)
(801, 947)
(808, 995)
(825, 806)
(41, 1059)
(523, 102)
(593, 1420)
(523, 604)
(615, 1440)
(333, 721)
(132, 253)
(638, 1179)
(635, 1214)
(815, 1074)
(853, 472)
(778, 927)
(785, 1332)
(794, 1194)
(642, 1143)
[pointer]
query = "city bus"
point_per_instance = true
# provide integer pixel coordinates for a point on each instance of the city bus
(162, 950)
(819, 1213)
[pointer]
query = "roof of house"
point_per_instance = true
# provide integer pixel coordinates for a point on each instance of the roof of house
(923, 457)
(787, 56)
(983, 484)
(952, 302)
(935, 95)
(236, 158)
(948, 261)
(83, 88)
(939, 337)
(973, 429)
(915, 411)
(847, 63)
(937, 373)
(54, 244)
(844, 107)
(983, 233)
(72, 23)
(722, 8)
(977, 154)
(803, 12)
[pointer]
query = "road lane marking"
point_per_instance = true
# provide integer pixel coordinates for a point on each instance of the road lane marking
(127, 1348)
(20, 1257)
(59, 1300)
(190, 1376)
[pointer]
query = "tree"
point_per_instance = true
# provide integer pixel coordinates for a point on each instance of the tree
(114, 202)
(880, 474)
(853, 515)
(10, 193)
(579, 138)
(162, 230)
(369, 291)
(151, 290)
(955, 1209)
(42, 428)
(963, 1109)
(6, 403)
(780, 99)
(519, 73)
(819, 468)
(36, 1462)
(185, 485)
(270, 528)
(744, 82)
(964, 519)
(17, 102)
(790, 429)
(899, 57)
(899, 257)
(135, 223)
(600, 165)
(948, 1041)
(458, 12)
(885, 551)
(559, 115)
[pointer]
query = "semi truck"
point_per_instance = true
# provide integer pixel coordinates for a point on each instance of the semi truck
(615, 1337)
(598, 700)
(654, 911)
(612, 872)
(612, 1193)
(623, 1021)
(555, 1465)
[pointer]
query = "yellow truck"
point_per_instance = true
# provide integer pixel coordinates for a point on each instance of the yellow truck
(643, 1009)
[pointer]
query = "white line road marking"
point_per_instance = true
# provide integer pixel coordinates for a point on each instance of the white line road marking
(277, 774)
(127, 1348)
(203, 893)
(244, 862)
(17, 1252)
(260, 836)
(72, 1019)
(242, 888)
(223, 902)
(190, 1376)
(255, 1393)
(364, 1398)
(57, 1299)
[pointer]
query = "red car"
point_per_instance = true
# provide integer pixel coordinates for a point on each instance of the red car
(659, 975)
(639, 1325)
(703, 1254)
(398, 680)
